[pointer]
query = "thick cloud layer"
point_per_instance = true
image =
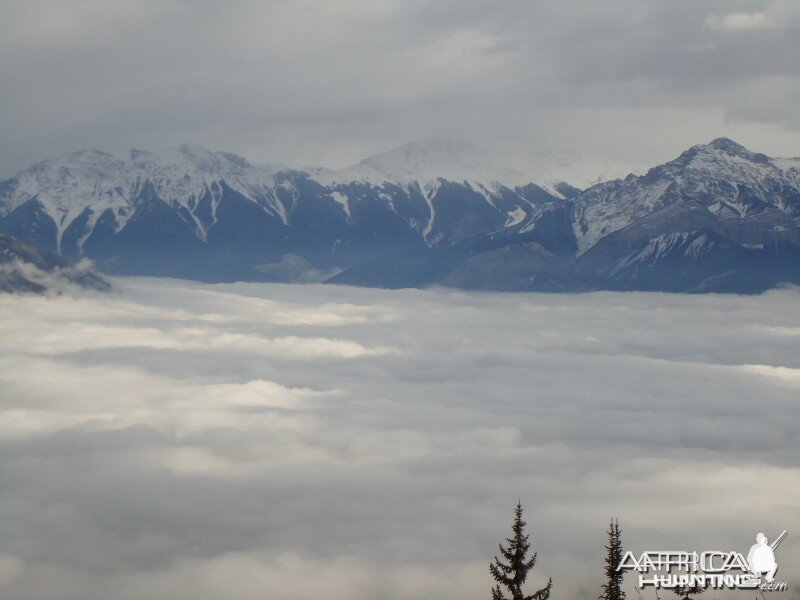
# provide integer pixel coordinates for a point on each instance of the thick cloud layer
(187, 441)
(331, 82)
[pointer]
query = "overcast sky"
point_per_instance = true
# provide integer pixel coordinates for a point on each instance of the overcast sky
(331, 82)
(184, 441)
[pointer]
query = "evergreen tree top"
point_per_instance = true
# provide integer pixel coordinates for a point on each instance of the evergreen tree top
(512, 573)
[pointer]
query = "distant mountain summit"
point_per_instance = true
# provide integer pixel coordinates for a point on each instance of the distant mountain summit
(717, 218)
(428, 160)
(509, 163)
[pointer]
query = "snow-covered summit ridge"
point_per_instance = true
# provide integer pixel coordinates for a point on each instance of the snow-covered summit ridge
(66, 185)
(98, 180)
(405, 217)
(509, 163)
(724, 159)
(427, 160)
(722, 175)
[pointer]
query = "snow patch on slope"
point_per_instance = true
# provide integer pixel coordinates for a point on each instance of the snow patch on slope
(515, 217)
(343, 201)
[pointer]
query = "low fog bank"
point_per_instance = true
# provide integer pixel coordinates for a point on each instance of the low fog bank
(189, 441)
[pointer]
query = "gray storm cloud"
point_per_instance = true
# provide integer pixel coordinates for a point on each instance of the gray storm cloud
(329, 83)
(181, 440)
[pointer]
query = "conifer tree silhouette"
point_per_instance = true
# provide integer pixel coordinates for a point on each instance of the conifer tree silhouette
(512, 573)
(685, 592)
(612, 588)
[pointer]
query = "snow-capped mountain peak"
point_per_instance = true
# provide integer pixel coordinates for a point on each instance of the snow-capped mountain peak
(509, 163)
(423, 161)
(430, 158)
(201, 158)
(95, 180)
(721, 153)
(462, 215)
(727, 145)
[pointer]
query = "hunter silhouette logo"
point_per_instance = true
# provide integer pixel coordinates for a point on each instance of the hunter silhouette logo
(713, 569)
(761, 557)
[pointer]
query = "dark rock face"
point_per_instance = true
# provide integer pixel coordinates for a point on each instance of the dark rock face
(30, 222)
(717, 218)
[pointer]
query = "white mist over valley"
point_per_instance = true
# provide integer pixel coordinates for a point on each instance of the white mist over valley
(193, 441)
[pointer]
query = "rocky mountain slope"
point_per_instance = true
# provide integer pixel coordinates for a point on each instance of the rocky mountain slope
(25, 268)
(717, 218)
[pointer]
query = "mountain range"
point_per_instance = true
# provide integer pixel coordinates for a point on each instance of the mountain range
(719, 217)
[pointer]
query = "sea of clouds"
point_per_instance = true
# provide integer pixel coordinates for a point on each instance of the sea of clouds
(176, 440)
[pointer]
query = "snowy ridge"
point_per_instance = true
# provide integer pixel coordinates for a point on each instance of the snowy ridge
(728, 179)
(790, 168)
(786, 164)
(661, 245)
(67, 185)
(430, 211)
(99, 180)
(424, 161)
(458, 160)
(598, 219)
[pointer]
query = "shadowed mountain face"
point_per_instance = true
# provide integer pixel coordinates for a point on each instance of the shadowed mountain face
(717, 218)
(25, 268)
